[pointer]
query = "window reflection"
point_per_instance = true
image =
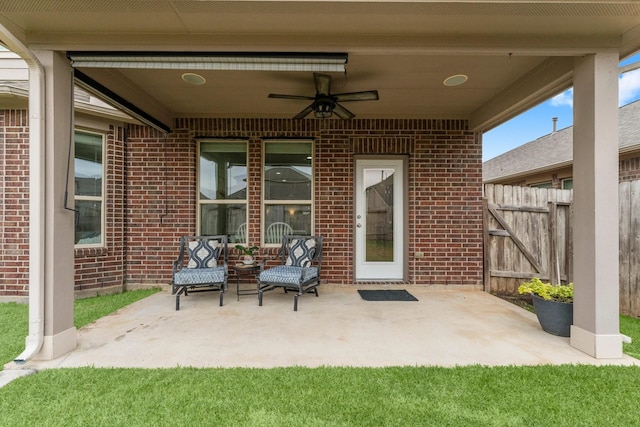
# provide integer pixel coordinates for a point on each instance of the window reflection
(288, 177)
(223, 189)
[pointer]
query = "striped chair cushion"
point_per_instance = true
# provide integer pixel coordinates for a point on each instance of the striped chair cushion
(197, 276)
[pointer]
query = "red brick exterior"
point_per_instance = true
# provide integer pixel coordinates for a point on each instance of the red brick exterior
(14, 196)
(445, 182)
(151, 196)
(104, 267)
(630, 169)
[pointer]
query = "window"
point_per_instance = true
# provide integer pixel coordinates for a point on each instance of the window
(567, 184)
(287, 190)
(222, 189)
(89, 202)
(547, 184)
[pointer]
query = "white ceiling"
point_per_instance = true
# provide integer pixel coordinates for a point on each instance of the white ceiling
(516, 54)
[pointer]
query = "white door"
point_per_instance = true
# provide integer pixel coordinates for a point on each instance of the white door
(379, 219)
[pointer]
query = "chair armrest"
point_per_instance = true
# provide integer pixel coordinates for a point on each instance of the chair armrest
(177, 266)
(265, 261)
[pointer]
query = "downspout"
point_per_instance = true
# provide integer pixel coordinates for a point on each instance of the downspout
(36, 195)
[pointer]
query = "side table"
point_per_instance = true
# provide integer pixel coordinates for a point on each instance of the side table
(248, 270)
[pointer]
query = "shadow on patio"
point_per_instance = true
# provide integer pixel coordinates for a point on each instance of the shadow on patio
(444, 328)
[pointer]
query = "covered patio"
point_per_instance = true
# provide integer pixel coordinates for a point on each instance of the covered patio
(445, 327)
(446, 72)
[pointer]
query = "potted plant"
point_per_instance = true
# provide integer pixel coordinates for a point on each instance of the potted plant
(553, 305)
(247, 253)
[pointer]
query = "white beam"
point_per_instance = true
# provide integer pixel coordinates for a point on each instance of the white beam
(59, 330)
(596, 323)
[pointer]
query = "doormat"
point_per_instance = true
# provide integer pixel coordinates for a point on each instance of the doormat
(386, 295)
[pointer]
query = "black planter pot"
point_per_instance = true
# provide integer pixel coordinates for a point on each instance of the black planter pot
(555, 317)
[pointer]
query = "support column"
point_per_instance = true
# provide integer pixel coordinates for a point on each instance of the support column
(596, 322)
(59, 228)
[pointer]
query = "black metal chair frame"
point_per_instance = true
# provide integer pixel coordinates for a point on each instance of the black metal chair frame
(180, 264)
(302, 286)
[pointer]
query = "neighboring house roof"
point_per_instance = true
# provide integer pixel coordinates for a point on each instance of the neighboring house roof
(14, 91)
(556, 149)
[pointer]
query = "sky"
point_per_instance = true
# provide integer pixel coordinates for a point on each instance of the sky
(538, 121)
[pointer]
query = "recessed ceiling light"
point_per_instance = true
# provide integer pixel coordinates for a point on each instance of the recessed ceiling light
(455, 80)
(194, 79)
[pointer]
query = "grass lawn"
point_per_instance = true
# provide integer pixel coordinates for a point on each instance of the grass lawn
(402, 396)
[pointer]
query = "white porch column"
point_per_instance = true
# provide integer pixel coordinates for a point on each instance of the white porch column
(59, 331)
(596, 322)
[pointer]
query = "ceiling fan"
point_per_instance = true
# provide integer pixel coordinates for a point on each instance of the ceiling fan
(325, 103)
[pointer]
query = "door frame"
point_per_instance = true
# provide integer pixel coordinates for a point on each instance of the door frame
(404, 220)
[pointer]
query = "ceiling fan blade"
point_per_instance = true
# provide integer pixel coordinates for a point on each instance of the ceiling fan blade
(368, 95)
(323, 83)
(275, 95)
(342, 112)
(302, 114)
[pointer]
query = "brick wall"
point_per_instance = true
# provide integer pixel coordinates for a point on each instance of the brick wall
(94, 267)
(98, 268)
(629, 169)
(445, 188)
(14, 199)
(151, 196)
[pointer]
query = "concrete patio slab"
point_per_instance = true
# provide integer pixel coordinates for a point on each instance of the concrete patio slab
(443, 328)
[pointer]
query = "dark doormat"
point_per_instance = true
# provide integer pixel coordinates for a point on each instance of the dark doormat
(386, 295)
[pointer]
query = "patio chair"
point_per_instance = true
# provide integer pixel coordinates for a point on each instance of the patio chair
(201, 266)
(300, 262)
(241, 233)
(276, 231)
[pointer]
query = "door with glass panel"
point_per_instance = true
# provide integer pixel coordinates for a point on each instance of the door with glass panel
(379, 219)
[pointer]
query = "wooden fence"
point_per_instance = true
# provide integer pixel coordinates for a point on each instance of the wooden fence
(528, 233)
(629, 198)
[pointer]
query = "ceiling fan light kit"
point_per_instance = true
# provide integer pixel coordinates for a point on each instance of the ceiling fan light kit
(324, 104)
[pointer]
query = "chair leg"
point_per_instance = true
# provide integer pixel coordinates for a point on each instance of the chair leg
(178, 300)
(260, 298)
(295, 302)
(221, 295)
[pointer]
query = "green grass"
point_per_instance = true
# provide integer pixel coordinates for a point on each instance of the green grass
(379, 250)
(630, 326)
(403, 396)
(14, 328)
(14, 318)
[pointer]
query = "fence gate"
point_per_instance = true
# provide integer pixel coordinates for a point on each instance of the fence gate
(527, 233)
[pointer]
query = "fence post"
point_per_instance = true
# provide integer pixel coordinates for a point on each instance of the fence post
(554, 273)
(485, 244)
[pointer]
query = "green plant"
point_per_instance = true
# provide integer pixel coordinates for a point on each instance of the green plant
(535, 286)
(247, 250)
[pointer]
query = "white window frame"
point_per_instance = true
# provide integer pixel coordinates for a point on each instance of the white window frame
(542, 184)
(102, 198)
(200, 202)
(265, 202)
